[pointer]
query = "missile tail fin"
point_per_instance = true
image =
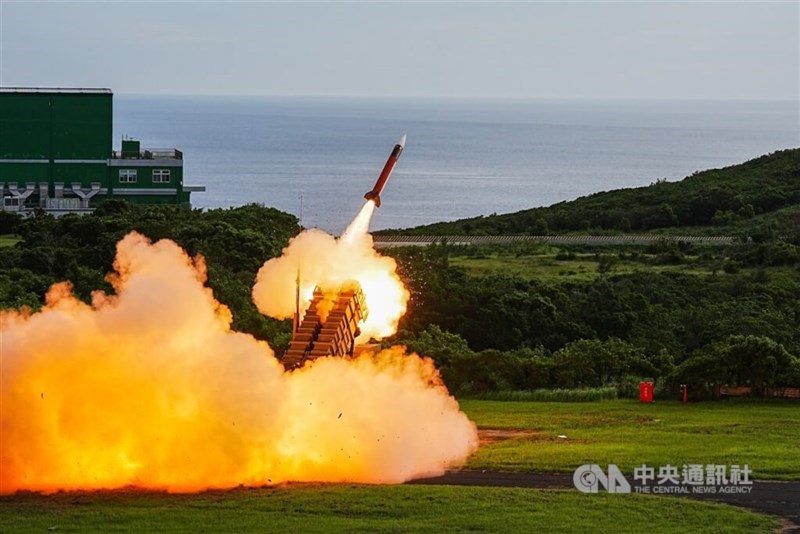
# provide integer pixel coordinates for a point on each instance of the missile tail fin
(373, 197)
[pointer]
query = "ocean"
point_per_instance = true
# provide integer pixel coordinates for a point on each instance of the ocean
(316, 158)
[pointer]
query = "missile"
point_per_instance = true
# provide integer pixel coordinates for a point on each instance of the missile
(375, 193)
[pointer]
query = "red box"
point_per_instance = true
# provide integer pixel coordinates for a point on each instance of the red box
(645, 391)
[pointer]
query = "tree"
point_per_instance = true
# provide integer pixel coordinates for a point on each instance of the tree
(595, 363)
(701, 372)
(439, 344)
(606, 263)
(540, 227)
(756, 361)
(9, 222)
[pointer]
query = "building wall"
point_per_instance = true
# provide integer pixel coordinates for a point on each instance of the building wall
(149, 199)
(56, 126)
(25, 132)
(82, 174)
(24, 172)
(144, 175)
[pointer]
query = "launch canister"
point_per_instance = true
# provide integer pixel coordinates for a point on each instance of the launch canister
(375, 193)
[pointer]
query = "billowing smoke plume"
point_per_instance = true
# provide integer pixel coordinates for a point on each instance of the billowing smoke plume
(150, 387)
(322, 260)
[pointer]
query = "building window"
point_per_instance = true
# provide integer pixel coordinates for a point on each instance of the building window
(127, 176)
(161, 176)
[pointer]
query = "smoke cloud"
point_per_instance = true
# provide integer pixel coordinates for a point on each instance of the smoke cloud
(150, 387)
(322, 260)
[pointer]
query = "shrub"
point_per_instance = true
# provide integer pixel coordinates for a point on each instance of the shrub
(551, 395)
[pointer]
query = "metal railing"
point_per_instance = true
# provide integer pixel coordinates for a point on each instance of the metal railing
(66, 90)
(422, 240)
(148, 153)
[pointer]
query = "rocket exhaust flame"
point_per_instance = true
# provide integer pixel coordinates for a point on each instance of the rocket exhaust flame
(150, 387)
(360, 225)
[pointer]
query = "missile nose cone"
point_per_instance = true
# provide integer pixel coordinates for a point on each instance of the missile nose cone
(402, 142)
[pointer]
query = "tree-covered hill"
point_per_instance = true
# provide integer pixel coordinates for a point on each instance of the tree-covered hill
(234, 242)
(759, 195)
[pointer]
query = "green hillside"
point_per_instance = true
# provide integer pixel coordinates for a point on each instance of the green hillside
(760, 195)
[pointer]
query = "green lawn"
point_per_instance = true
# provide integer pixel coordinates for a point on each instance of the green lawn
(338, 508)
(9, 240)
(545, 266)
(763, 435)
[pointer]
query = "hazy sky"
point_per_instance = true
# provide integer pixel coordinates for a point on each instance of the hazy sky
(520, 50)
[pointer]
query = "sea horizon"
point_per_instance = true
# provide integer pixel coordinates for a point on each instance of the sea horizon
(465, 157)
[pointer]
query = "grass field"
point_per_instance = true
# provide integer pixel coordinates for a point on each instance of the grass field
(337, 508)
(627, 433)
(546, 266)
(763, 435)
(8, 240)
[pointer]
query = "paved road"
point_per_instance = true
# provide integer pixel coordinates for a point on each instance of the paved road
(768, 496)
(386, 241)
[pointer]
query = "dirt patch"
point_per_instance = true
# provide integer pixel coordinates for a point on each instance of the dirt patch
(487, 436)
(788, 527)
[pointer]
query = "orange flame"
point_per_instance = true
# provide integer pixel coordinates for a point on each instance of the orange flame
(150, 387)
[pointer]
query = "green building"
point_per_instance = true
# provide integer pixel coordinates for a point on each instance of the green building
(56, 153)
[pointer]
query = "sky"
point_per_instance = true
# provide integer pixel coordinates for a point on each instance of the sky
(587, 50)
